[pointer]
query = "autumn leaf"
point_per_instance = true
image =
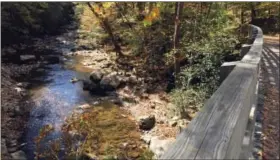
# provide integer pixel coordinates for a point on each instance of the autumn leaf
(97, 9)
(147, 22)
(153, 15)
(155, 12)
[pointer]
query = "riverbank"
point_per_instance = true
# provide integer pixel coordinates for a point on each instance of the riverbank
(14, 108)
(134, 95)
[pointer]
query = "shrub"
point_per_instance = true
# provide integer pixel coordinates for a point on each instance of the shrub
(187, 98)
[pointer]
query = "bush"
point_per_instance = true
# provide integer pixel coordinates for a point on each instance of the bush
(188, 98)
(200, 77)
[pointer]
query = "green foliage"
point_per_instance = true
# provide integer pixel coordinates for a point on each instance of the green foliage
(207, 41)
(185, 99)
(28, 19)
(146, 155)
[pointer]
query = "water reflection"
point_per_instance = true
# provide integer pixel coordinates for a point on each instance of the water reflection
(54, 98)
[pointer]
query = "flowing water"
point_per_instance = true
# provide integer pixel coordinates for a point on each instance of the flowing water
(54, 98)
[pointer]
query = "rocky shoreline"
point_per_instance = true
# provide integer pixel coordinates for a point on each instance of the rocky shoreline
(153, 112)
(14, 109)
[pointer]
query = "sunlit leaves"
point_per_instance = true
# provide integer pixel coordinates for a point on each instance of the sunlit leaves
(107, 5)
(153, 15)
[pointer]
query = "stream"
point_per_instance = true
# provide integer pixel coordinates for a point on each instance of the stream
(54, 97)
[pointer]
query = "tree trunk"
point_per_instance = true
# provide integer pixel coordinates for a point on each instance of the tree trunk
(141, 7)
(106, 26)
(178, 13)
(124, 18)
(150, 6)
(201, 4)
(242, 16)
(209, 10)
(253, 12)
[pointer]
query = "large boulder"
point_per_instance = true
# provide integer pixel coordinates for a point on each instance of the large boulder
(147, 122)
(89, 86)
(93, 88)
(110, 81)
(96, 76)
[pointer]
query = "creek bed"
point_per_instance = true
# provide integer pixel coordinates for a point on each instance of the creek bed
(55, 98)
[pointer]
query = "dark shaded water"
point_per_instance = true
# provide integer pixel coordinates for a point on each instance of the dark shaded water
(54, 98)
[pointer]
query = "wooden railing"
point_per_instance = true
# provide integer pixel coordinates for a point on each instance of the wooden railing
(218, 130)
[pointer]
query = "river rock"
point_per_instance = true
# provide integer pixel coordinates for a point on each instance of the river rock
(133, 79)
(147, 122)
(22, 84)
(18, 110)
(10, 50)
(4, 149)
(84, 106)
(74, 80)
(12, 149)
(153, 105)
(18, 89)
(175, 118)
(51, 59)
(110, 81)
(89, 86)
(89, 156)
(83, 47)
(158, 146)
(19, 155)
(27, 58)
(173, 123)
(12, 143)
(96, 76)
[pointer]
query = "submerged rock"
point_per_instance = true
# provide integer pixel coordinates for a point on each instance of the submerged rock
(147, 122)
(74, 80)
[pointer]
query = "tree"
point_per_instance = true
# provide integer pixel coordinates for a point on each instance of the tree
(178, 12)
(106, 26)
